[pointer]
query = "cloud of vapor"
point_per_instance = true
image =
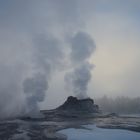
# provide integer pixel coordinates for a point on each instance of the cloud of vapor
(48, 53)
(82, 47)
(35, 35)
(10, 85)
(47, 57)
(31, 50)
(78, 79)
(35, 88)
(121, 105)
(32, 39)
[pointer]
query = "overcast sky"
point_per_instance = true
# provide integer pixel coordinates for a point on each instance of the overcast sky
(114, 25)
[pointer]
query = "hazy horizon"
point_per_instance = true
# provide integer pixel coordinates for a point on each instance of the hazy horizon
(84, 48)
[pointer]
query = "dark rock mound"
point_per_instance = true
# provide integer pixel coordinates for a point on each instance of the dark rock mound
(72, 108)
(79, 105)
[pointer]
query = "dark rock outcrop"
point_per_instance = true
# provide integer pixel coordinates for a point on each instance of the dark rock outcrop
(79, 105)
(73, 108)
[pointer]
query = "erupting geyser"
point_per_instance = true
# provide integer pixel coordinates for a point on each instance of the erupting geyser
(47, 58)
(82, 47)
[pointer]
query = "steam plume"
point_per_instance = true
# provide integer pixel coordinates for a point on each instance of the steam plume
(35, 88)
(29, 58)
(47, 56)
(82, 47)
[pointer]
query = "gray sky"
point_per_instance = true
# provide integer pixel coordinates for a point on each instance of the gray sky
(113, 25)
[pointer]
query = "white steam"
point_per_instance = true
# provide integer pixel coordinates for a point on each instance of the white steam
(82, 47)
(47, 57)
(33, 46)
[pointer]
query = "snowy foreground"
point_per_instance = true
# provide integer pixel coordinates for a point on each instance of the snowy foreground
(63, 126)
(91, 132)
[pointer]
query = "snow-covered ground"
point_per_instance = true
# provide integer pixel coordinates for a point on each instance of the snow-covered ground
(130, 115)
(94, 133)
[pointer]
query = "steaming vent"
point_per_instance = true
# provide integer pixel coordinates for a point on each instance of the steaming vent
(79, 105)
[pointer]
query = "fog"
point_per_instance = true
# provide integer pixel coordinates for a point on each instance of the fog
(50, 50)
(38, 37)
(119, 105)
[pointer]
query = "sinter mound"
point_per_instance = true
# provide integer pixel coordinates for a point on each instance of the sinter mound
(81, 105)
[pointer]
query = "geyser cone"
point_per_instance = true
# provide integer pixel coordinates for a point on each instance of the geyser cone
(79, 105)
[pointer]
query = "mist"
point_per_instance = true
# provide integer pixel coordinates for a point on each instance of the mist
(33, 53)
(47, 57)
(82, 47)
(50, 50)
(40, 45)
(119, 105)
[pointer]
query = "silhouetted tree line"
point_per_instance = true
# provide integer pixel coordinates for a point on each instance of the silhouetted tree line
(121, 105)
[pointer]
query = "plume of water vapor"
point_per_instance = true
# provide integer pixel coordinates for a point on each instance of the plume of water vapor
(82, 47)
(78, 80)
(22, 44)
(47, 57)
(35, 88)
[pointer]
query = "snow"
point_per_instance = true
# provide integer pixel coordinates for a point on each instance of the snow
(94, 133)
(130, 115)
(22, 136)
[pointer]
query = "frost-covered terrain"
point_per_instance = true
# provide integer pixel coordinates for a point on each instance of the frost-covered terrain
(91, 132)
(76, 127)
(61, 124)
